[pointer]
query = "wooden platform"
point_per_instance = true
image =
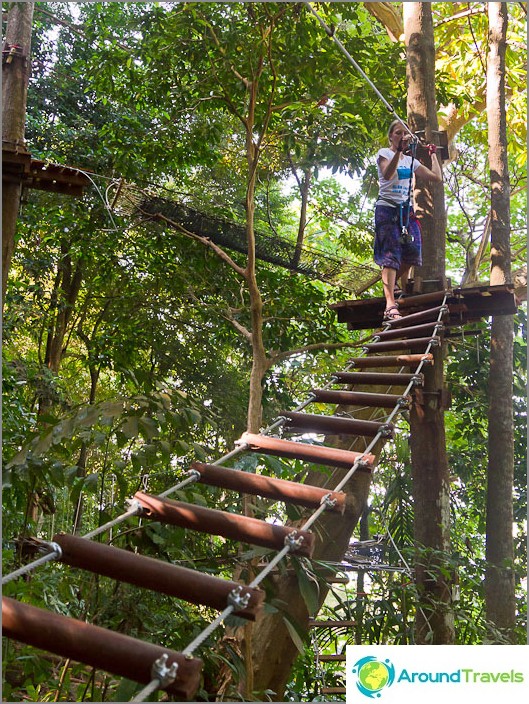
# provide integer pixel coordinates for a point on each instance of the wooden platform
(465, 305)
(19, 165)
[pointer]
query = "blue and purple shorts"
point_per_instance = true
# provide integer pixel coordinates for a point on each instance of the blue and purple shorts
(390, 249)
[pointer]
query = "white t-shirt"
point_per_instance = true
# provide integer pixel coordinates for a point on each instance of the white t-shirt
(397, 188)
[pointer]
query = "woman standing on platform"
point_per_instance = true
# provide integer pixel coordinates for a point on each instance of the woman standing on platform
(398, 244)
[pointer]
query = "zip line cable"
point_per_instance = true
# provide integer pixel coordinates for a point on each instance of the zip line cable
(330, 33)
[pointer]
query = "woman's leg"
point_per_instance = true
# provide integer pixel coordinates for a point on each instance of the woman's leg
(389, 277)
(404, 275)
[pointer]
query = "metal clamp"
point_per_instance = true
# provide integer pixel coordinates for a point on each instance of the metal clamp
(328, 501)
(134, 506)
(417, 379)
(56, 548)
(403, 402)
(165, 675)
(434, 342)
(386, 430)
(293, 540)
(237, 599)
(194, 474)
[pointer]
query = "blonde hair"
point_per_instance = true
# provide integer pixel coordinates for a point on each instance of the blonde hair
(392, 127)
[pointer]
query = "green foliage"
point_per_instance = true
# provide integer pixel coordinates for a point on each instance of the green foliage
(122, 358)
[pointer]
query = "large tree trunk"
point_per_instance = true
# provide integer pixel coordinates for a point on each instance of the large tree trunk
(434, 620)
(15, 77)
(499, 578)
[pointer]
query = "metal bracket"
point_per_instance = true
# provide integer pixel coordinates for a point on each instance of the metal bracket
(328, 502)
(135, 505)
(237, 599)
(386, 430)
(293, 540)
(165, 675)
(12, 51)
(194, 473)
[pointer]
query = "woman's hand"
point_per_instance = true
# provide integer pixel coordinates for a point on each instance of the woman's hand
(404, 143)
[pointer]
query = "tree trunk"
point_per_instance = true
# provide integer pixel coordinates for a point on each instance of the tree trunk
(499, 577)
(15, 77)
(434, 620)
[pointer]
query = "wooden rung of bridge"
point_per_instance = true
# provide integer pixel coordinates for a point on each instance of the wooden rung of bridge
(319, 454)
(411, 332)
(401, 360)
(163, 577)
(416, 343)
(98, 647)
(377, 378)
(229, 525)
(270, 487)
(422, 316)
(335, 425)
(338, 657)
(333, 690)
(358, 398)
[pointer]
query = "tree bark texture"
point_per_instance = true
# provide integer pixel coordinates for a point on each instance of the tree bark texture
(15, 77)
(434, 620)
(422, 115)
(499, 577)
(274, 651)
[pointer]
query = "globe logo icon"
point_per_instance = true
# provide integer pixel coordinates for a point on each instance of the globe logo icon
(373, 675)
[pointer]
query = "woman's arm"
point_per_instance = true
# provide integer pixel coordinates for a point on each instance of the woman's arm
(434, 174)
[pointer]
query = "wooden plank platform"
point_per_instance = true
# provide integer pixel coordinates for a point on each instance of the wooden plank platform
(19, 165)
(465, 305)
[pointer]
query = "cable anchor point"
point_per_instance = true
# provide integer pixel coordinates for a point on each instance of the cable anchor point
(165, 675)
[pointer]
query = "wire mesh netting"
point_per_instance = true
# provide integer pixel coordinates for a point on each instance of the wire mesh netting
(281, 251)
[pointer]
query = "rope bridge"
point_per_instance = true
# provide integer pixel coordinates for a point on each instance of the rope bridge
(179, 672)
(281, 251)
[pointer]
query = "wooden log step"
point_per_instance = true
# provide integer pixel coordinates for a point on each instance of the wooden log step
(378, 378)
(359, 398)
(313, 623)
(422, 299)
(229, 525)
(333, 690)
(338, 657)
(319, 454)
(98, 647)
(421, 317)
(335, 425)
(270, 487)
(413, 331)
(416, 343)
(162, 577)
(401, 360)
